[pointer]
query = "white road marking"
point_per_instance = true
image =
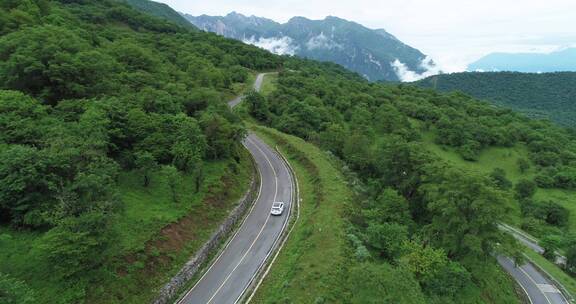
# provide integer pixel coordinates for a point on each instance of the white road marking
(533, 281)
(261, 229)
(227, 244)
(548, 288)
(292, 192)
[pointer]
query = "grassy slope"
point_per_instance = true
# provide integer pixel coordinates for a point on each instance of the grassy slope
(489, 159)
(269, 84)
(505, 158)
(308, 266)
(239, 88)
(152, 208)
(147, 211)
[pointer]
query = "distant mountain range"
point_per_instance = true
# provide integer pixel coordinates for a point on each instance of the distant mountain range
(546, 95)
(375, 54)
(559, 61)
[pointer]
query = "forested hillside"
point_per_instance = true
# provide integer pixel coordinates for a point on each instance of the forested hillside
(160, 10)
(428, 219)
(548, 95)
(113, 124)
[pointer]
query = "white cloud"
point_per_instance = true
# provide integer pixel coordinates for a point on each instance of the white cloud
(454, 32)
(406, 75)
(321, 42)
(280, 46)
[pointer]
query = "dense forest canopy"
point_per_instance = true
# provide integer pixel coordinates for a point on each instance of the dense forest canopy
(160, 10)
(89, 89)
(547, 95)
(430, 220)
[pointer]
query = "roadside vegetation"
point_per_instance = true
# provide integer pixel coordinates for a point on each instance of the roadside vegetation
(417, 149)
(379, 261)
(553, 270)
(269, 84)
(309, 268)
(114, 133)
(116, 140)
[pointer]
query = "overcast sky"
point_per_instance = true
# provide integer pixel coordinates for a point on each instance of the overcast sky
(453, 32)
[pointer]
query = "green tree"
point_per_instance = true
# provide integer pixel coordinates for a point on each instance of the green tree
(423, 261)
(221, 136)
(571, 259)
(431, 267)
(77, 245)
(498, 175)
(387, 238)
(13, 291)
(554, 213)
(146, 164)
(27, 182)
(525, 189)
(550, 243)
(523, 165)
(173, 179)
(22, 119)
(389, 206)
(382, 283)
(465, 211)
(258, 106)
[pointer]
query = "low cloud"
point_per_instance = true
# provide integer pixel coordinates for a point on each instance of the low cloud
(321, 42)
(280, 46)
(407, 75)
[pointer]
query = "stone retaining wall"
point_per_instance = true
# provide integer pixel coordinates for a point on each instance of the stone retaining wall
(171, 289)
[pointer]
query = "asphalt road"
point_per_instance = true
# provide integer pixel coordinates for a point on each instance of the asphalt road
(257, 85)
(228, 277)
(537, 287)
(530, 242)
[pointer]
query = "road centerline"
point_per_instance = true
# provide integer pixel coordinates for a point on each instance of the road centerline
(261, 229)
(535, 284)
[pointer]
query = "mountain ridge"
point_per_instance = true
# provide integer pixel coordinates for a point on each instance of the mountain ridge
(374, 54)
(563, 60)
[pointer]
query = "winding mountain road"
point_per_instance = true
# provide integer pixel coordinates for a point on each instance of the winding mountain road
(231, 273)
(538, 288)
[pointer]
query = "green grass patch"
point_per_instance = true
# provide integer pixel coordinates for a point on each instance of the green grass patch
(567, 199)
(308, 267)
(146, 255)
(269, 84)
(150, 209)
(505, 158)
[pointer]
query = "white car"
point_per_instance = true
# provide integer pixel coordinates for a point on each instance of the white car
(277, 208)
